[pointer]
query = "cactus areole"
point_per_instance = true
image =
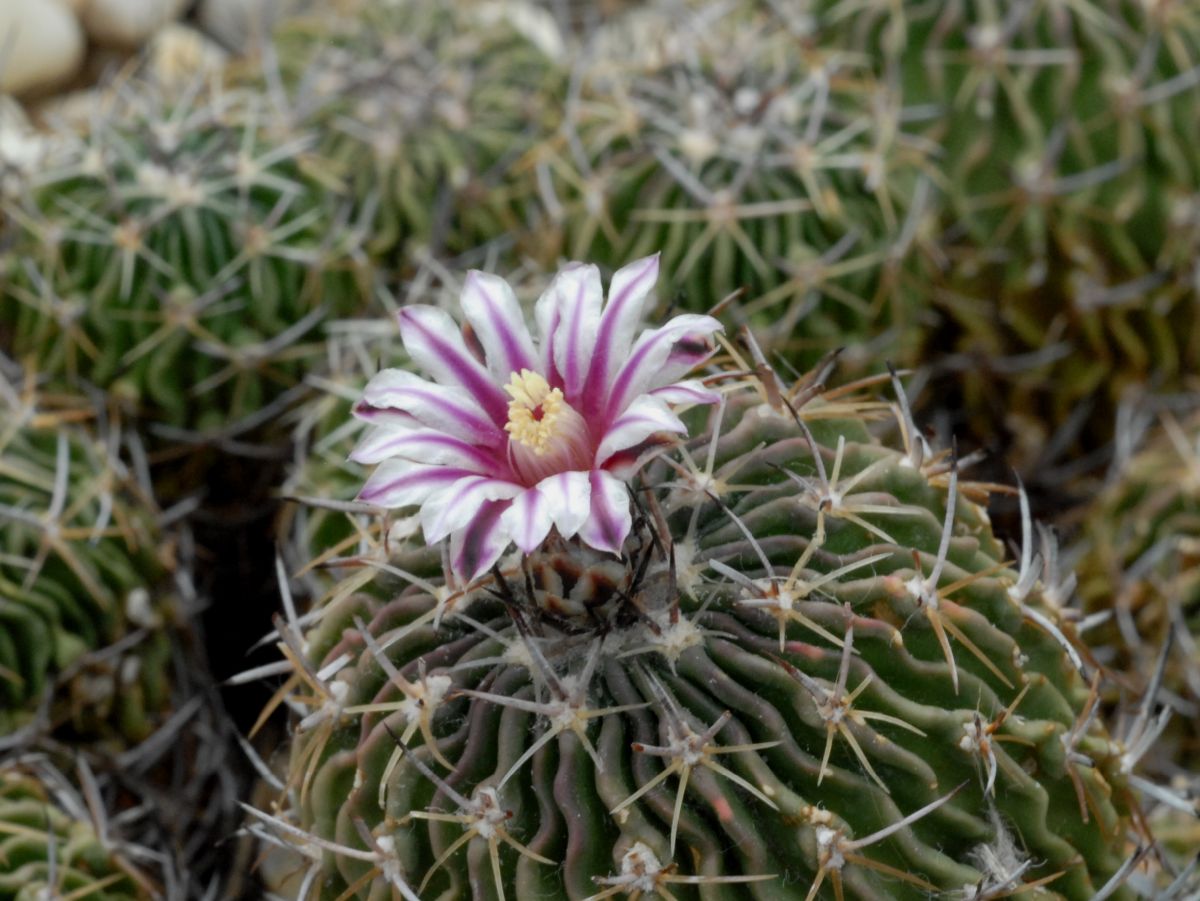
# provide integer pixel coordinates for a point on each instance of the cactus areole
(512, 439)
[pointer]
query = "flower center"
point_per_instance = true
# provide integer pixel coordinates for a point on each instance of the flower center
(546, 434)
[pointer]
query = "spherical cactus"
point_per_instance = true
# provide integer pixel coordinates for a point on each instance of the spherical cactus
(785, 660)
(1141, 566)
(177, 254)
(83, 573)
(755, 162)
(1068, 193)
(50, 846)
(423, 114)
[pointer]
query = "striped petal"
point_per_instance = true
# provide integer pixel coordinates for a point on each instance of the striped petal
(689, 392)
(479, 544)
(452, 508)
(632, 287)
(436, 345)
(609, 519)
(568, 316)
(426, 446)
(402, 483)
(394, 392)
(528, 520)
(659, 357)
(569, 495)
(644, 417)
(494, 313)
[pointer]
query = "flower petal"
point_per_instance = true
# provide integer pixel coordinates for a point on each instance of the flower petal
(632, 286)
(453, 410)
(610, 518)
(452, 508)
(426, 446)
(689, 392)
(479, 544)
(659, 357)
(641, 419)
(402, 483)
(436, 345)
(569, 497)
(568, 315)
(494, 313)
(528, 520)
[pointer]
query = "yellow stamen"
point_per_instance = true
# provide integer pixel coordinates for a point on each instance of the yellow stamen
(534, 410)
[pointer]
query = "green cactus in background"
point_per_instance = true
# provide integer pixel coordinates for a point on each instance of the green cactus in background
(755, 162)
(49, 845)
(1068, 185)
(423, 113)
(83, 566)
(1141, 564)
(179, 256)
(809, 673)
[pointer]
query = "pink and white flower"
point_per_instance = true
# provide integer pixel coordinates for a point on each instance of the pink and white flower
(513, 436)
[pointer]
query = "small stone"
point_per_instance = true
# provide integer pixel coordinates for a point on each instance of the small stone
(128, 23)
(178, 55)
(41, 45)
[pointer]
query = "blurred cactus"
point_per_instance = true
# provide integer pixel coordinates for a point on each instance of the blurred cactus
(50, 846)
(177, 256)
(1141, 566)
(810, 673)
(754, 162)
(422, 112)
(82, 571)
(1069, 182)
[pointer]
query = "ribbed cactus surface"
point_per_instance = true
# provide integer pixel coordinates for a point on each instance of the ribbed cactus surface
(177, 255)
(810, 672)
(82, 566)
(49, 847)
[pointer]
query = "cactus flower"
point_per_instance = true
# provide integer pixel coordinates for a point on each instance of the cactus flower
(514, 437)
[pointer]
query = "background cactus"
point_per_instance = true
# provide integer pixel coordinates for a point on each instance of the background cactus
(683, 717)
(422, 113)
(178, 256)
(50, 846)
(754, 162)
(1141, 541)
(84, 570)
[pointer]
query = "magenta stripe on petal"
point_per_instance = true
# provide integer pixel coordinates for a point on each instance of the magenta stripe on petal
(446, 358)
(398, 483)
(445, 407)
(651, 353)
(528, 520)
(610, 519)
(630, 289)
(474, 548)
(493, 311)
(689, 392)
(427, 446)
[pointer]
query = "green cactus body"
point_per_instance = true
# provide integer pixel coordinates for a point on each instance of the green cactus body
(178, 256)
(1068, 185)
(754, 162)
(1142, 561)
(49, 849)
(80, 571)
(424, 115)
(876, 714)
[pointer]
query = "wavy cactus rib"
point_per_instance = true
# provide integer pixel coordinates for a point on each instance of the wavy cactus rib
(49, 845)
(83, 641)
(177, 254)
(422, 113)
(753, 161)
(810, 674)
(1068, 188)
(1141, 571)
